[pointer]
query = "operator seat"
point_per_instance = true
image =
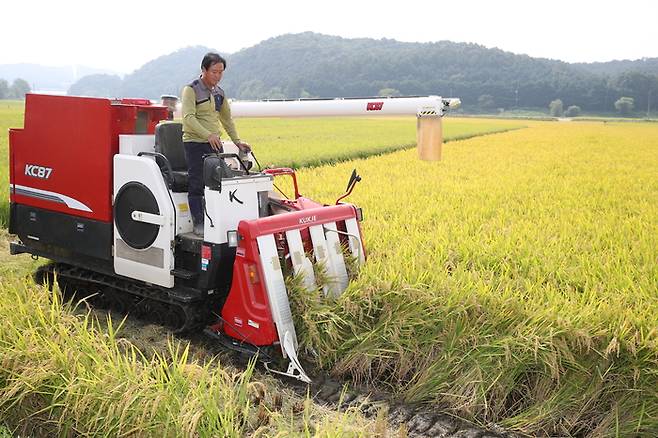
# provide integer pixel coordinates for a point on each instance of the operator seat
(169, 142)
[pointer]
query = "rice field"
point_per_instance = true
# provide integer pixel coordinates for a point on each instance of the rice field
(315, 141)
(515, 281)
(63, 373)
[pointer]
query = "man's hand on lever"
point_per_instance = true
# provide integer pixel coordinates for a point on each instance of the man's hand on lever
(244, 147)
(215, 142)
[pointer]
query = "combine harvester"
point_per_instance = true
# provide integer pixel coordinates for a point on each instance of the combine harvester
(99, 187)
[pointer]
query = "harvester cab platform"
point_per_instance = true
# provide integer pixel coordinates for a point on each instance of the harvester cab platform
(100, 188)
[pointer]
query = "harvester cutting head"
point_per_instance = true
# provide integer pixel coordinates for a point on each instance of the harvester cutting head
(298, 234)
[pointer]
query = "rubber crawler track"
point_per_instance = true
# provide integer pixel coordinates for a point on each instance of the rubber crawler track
(148, 302)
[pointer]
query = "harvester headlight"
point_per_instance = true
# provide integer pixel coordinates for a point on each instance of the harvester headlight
(359, 214)
(233, 238)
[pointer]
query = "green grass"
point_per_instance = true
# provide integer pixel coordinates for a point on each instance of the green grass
(5, 433)
(11, 116)
(312, 142)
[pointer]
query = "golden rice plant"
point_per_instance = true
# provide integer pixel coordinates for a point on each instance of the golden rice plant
(60, 375)
(514, 281)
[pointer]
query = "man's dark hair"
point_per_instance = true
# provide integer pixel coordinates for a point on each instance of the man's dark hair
(211, 59)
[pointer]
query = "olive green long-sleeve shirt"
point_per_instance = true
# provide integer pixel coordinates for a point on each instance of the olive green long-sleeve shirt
(202, 119)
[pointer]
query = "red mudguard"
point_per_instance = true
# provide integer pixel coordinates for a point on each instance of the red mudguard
(246, 313)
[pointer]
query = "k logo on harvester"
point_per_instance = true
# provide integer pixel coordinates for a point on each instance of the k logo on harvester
(231, 197)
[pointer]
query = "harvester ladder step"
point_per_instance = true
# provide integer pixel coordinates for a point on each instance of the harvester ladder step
(183, 273)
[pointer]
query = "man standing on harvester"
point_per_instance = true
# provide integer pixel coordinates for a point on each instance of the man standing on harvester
(204, 108)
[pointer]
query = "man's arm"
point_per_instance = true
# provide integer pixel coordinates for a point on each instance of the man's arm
(190, 122)
(227, 121)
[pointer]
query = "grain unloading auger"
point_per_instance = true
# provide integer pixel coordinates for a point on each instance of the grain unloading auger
(99, 187)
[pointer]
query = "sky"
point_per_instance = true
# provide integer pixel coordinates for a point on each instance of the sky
(122, 35)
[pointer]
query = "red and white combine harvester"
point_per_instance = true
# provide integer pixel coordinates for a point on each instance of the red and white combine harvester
(99, 187)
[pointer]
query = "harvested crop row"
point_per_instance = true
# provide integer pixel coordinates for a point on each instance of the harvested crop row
(515, 281)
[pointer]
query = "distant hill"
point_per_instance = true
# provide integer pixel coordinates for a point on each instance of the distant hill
(316, 65)
(320, 65)
(644, 65)
(328, 66)
(164, 75)
(48, 78)
(99, 85)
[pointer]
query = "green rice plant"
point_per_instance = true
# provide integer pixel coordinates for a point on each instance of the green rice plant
(11, 116)
(308, 142)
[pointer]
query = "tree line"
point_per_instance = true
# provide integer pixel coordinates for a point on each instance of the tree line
(17, 90)
(313, 65)
(310, 65)
(624, 106)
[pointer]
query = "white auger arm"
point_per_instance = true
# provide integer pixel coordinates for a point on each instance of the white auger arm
(360, 106)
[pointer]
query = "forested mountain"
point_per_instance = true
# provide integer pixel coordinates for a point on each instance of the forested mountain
(97, 85)
(644, 65)
(164, 75)
(315, 65)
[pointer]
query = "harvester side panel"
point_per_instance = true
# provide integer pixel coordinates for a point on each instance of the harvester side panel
(62, 159)
(144, 226)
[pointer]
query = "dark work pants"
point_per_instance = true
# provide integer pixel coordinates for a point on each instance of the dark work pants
(194, 153)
